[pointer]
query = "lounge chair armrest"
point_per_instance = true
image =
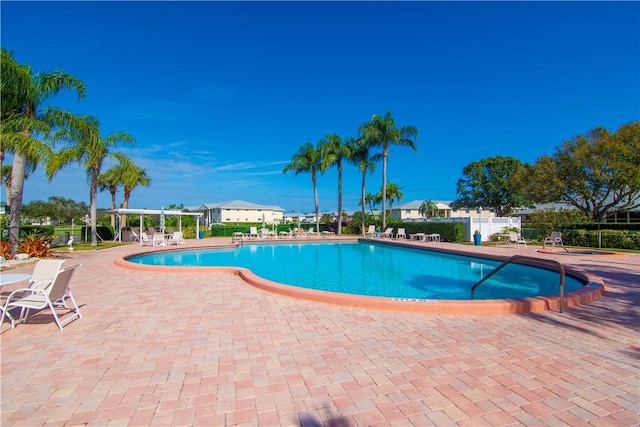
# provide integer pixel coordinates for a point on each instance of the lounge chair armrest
(21, 291)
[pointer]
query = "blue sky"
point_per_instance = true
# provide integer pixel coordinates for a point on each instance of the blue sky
(220, 95)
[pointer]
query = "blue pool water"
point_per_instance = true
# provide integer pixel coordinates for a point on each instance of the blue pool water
(366, 268)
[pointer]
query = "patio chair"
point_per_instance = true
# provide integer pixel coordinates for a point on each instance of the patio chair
(134, 236)
(37, 299)
(553, 240)
(370, 232)
(517, 239)
(158, 240)
(388, 233)
(253, 232)
(177, 238)
(44, 272)
(401, 234)
(286, 234)
(144, 238)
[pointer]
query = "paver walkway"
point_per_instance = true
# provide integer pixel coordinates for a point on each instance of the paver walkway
(209, 350)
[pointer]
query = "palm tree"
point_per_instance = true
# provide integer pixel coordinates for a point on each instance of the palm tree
(393, 193)
(382, 132)
(132, 176)
(361, 157)
(333, 151)
(307, 159)
(89, 149)
(26, 123)
(371, 200)
(111, 180)
(428, 209)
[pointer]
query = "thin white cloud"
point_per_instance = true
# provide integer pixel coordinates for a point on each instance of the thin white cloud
(211, 92)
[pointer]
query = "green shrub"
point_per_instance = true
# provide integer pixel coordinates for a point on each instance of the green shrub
(449, 231)
(610, 239)
(105, 233)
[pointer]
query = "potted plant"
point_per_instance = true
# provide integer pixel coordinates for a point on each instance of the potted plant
(477, 238)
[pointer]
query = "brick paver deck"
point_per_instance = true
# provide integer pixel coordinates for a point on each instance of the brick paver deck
(209, 350)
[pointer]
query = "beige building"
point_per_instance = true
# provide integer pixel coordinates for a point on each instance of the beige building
(411, 211)
(238, 211)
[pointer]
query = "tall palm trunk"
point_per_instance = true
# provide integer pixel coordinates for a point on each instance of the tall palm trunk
(364, 177)
(15, 200)
(93, 190)
(339, 197)
(126, 193)
(112, 190)
(315, 199)
(385, 154)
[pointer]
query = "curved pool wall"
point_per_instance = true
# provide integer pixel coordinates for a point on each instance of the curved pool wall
(591, 292)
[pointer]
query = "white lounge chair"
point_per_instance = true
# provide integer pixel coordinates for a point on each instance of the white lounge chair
(553, 240)
(286, 234)
(158, 240)
(517, 239)
(177, 238)
(40, 298)
(312, 233)
(253, 232)
(388, 233)
(401, 234)
(133, 235)
(144, 238)
(370, 232)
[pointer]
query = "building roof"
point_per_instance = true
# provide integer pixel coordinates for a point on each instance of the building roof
(441, 204)
(234, 204)
(167, 212)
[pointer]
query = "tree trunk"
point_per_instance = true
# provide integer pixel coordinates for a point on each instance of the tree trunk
(125, 205)
(113, 206)
(93, 190)
(364, 223)
(15, 200)
(315, 200)
(385, 154)
(339, 197)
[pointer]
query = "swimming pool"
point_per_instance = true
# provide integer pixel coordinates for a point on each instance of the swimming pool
(371, 269)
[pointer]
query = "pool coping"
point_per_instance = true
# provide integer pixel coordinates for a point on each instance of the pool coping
(592, 291)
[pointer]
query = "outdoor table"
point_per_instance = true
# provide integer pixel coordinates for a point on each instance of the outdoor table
(9, 278)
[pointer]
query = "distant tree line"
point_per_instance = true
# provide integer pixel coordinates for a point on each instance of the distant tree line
(597, 173)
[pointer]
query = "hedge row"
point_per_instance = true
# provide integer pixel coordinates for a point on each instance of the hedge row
(449, 231)
(610, 239)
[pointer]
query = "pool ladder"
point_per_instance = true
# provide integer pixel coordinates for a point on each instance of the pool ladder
(536, 262)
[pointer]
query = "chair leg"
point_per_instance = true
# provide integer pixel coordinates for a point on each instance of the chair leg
(5, 314)
(77, 309)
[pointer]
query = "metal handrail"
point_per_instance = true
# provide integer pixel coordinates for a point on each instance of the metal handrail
(531, 260)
